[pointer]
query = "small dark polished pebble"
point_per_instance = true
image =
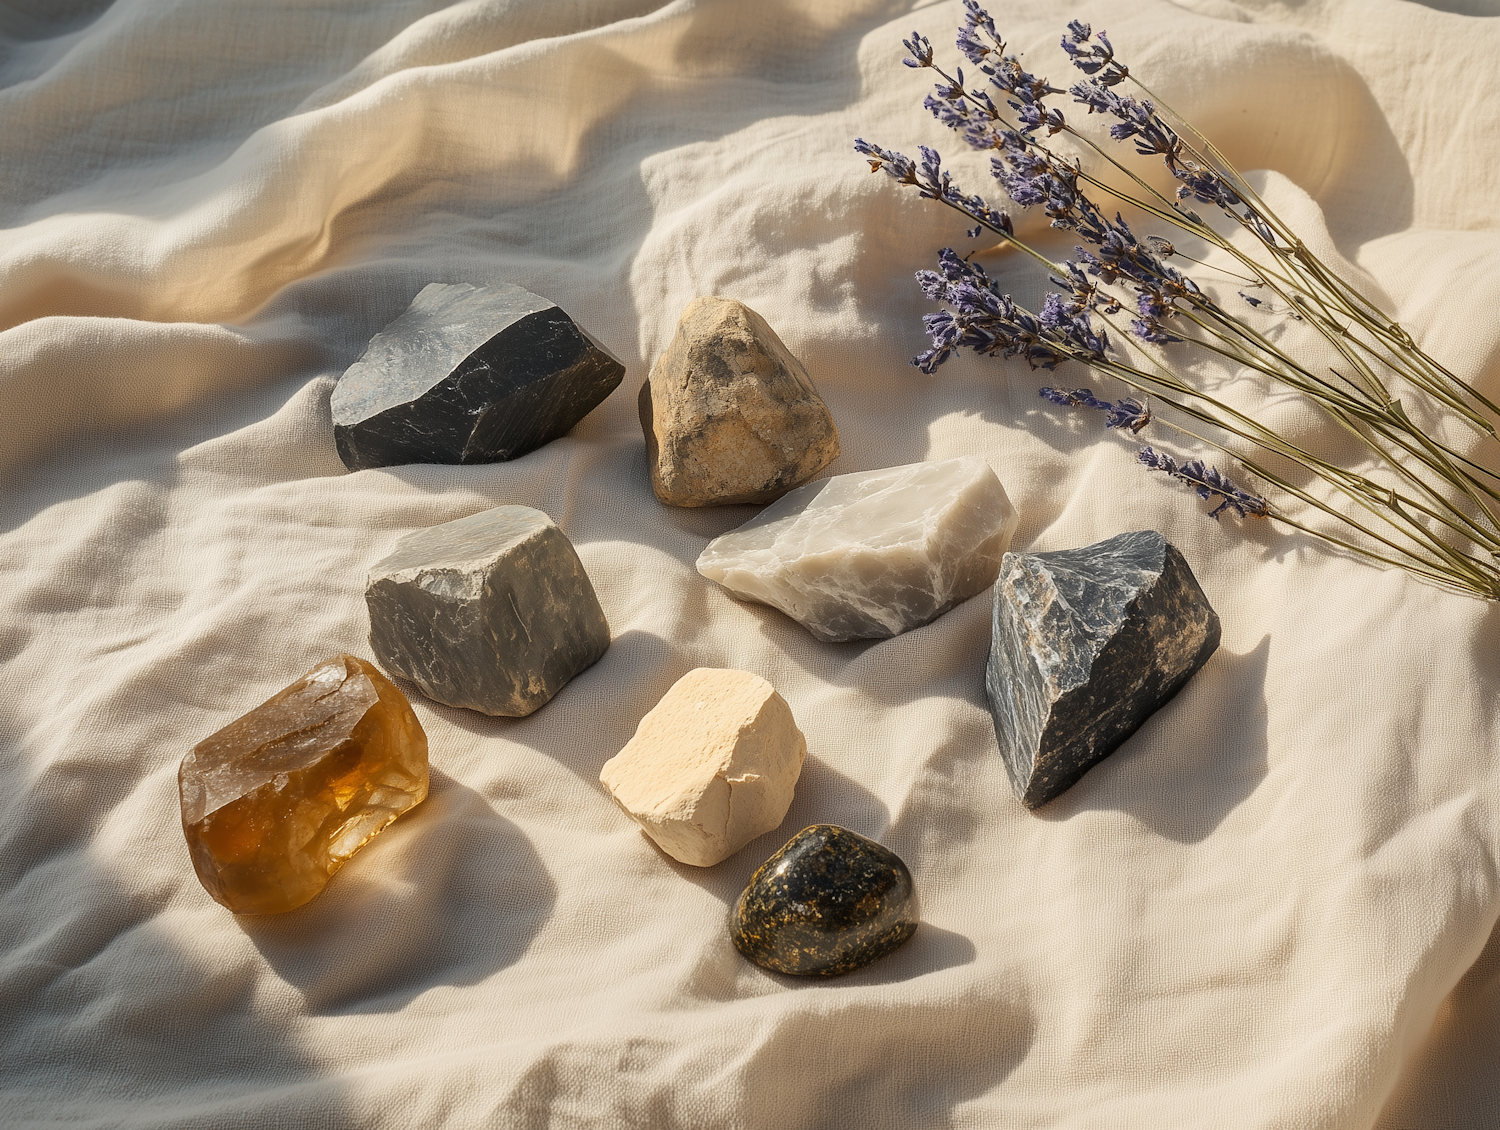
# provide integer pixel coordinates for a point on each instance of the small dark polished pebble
(829, 902)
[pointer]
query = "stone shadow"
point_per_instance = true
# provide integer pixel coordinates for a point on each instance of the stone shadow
(586, 723)
(946, 655)
(1182, 785)
(449, 894)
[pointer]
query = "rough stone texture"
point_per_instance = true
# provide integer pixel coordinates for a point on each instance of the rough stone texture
(469, 375)
(277, 801)
(713, 765)
(492, 612)
(730, 415)
(872, 554)
(829, 902)
(1087, 643)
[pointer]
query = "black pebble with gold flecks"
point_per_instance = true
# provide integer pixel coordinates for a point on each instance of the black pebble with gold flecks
(829, 902)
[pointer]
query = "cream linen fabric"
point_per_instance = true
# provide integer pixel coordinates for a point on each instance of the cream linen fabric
(1253, 915)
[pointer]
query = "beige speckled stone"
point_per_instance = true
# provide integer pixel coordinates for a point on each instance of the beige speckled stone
(713, 765)
(730, 415)
(874, 553)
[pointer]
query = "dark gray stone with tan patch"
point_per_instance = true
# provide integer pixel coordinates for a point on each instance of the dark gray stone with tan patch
(493, 612)
(469, 375)
(1087, 644)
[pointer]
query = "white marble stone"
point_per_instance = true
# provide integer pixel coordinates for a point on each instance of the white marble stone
(872, 554)
(712, 765)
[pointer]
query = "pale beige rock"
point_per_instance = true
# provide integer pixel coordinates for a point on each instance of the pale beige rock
(872, 554)
(713, 765)
(730, 415)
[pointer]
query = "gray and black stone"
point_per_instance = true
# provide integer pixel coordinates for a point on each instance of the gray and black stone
(1087, 644)
(469, 375)
(829, 902)
(493, 612)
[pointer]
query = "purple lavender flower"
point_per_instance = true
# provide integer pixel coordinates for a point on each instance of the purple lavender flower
(1121, 255)
(1137, 119)
(1207, 482)
(933, 182)
(1031, 175)
(897, 166)
(932, 169)
(1086, 294)
(1078, 32)
(1206, 185)
(1095, 57)
(1037, 116)
(1148, 329)
(971, 114)
(1127, 413)
(984, 320)
(979, 43)
(919, 50)
(1071, 323)
(1261, 228)
(977, 19)
(977, 28)
(1023, 86)
(1152, 304)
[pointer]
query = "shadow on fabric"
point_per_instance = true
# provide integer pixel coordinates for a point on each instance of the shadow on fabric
(448, 895)
(100, 969)
(28, 21)
(1452, 1079)
(1478, 8)
(1179, 787)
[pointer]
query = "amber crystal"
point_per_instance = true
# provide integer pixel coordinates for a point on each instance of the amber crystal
(277, 801)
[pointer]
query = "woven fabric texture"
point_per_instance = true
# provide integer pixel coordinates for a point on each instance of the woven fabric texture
(1260, 912)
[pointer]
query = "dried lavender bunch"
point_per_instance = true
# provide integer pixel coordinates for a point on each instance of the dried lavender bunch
(1424, 505)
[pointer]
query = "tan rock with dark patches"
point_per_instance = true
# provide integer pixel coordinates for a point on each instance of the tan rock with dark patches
(730, 416)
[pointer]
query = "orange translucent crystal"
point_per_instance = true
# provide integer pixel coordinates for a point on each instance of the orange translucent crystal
(277, 801)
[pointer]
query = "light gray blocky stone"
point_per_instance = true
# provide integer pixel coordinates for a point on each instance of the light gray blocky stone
(492, 612)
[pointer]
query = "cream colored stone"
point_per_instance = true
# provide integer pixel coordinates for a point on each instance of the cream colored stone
(872, 554)
(713, 765)
(730, 416)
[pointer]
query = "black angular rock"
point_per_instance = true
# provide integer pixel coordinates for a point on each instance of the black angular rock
(829, 902)
(492, 612)
(1087, 644)
(469, 375)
